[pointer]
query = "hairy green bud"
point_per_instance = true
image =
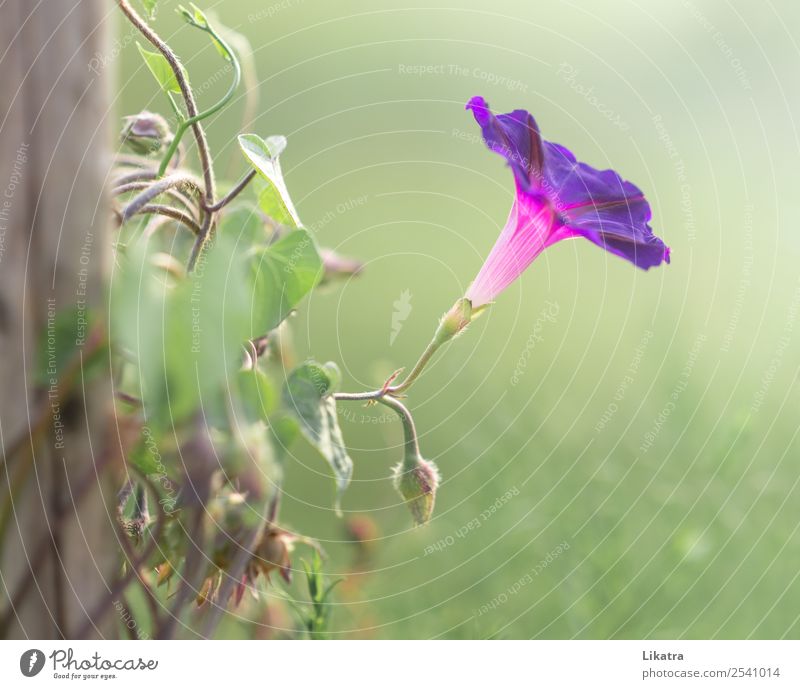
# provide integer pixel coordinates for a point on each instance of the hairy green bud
(416, 480)
(146, 133)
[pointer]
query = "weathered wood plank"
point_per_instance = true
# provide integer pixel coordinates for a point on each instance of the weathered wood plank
(53, 258)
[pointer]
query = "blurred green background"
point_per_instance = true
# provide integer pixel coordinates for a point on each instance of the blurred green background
(635, 432)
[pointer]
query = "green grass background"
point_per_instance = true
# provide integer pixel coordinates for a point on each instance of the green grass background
(695, 536)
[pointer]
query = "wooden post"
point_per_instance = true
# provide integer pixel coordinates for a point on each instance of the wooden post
(56, 547)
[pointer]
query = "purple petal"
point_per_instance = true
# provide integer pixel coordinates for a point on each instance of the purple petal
(603, 207)
(515, 136)
(596, 204)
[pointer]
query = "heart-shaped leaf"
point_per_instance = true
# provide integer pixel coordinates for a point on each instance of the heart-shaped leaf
(283, 274)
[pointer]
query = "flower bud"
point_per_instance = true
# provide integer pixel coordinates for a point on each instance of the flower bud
(335, 266)
(146, 133)
(416, 480)
(164, 572)
(274, 552)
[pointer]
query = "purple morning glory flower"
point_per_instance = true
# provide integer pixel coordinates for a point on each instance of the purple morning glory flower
(557, 198)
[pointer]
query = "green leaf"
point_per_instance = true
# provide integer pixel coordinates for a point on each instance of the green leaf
(276, 144)
(187, 337)
(316, 620)
(308, 395)
(284, 430)
(273, 197)
(283, 274)
(150, 7)
(159, 67)
(244, 224)
(198, 19)
(256, 395)
(330, 588)
(199, 16)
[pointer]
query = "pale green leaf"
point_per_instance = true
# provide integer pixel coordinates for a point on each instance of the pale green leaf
(256, 395)
(160, 69)
(308, 395)
(273, 197)
(244, 224)
(196, 17)
(283, 274)
(187, 337)
(150, 7)
(284, 430)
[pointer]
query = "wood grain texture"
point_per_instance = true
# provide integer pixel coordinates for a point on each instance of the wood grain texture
(53, 258)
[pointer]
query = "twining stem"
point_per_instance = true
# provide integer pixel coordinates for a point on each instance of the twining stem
(233, 193)
(186, 92)
(390, 391)
(410, 442)
(153, 190)
(360, 396)
(174, 193)
(427, 355)
(194, 119)
(140, 175)
(452, 324)
(208, 201)
(200, 242)
(173, 213)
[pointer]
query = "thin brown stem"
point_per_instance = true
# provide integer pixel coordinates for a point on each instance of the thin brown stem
(173, 193)
(233, 193)
(156, 189)
(171, 212)
(143, 174)
(192, 574)
(186, 92)
(200, 242)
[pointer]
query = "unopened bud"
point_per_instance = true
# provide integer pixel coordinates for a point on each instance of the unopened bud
(337, 267)
(416, 480)
(454, 321)
(146, 133)
(274, 552)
